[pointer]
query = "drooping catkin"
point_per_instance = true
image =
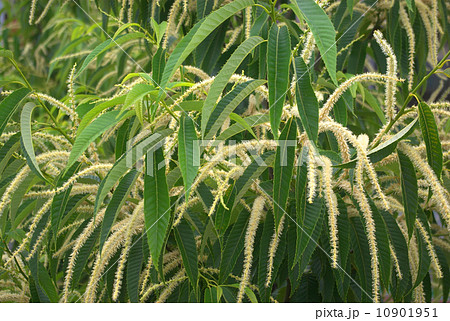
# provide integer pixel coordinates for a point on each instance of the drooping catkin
(172, 284)
(111, 246)
(257, 211)
(248, 21)
(370, 228)
(395, 259)
(44, 12)
(38, 241)
(174, 9)
(146, 275)
(273, 250)
(32, 11)
(435, 24)
(406, 24)
(391, 72)
(308, 49)
(333, 211)
(70, 86)
(424, 14)
(40, 213)
(125, 251)
(312, 183)
(430, 248)
(234, 35)
(334, 97)
(428, 173)
(80, 241)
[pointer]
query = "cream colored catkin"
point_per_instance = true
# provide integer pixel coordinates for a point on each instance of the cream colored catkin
(257, 211)
(273, 249)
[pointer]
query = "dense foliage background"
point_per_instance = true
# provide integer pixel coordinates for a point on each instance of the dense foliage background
(224, 151)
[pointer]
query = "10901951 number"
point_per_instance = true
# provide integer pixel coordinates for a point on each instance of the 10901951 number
(407, 312)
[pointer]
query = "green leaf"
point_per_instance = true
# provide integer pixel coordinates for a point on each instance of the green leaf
(136, 94)
(362, 258)
(251, 173)
(431, 137)
(7, 150)
(386, 148)
(409, 4)
(91, 114)
(9, 105)
(308, 107)
(156, 204)
(310, 218)
(233, 246)
(186, 244)
(445, 271)
(237, 128)
(424, 259)
(60, 200)
(158, 63)
(91, 133)
(127, 161)
(238, 119)
(227, 104)
(188, 152)
(134, 265)
(221, 80)
(197, 34)
(117, 200)
(107, 44)
(282, 172)
(409, 190)
(401, 250)
(323, 32)
(26, 140)
(213, 294)
(159, 29)
(278, 60)
(384, 256)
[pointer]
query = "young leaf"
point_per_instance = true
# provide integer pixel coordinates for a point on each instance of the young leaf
(278, 58)
(156, 204)
(431, 137)
(323, 32)
(284, 165)
(308, 107)
(188, 152)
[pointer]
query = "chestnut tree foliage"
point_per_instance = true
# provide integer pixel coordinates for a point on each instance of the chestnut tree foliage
(224, 151)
